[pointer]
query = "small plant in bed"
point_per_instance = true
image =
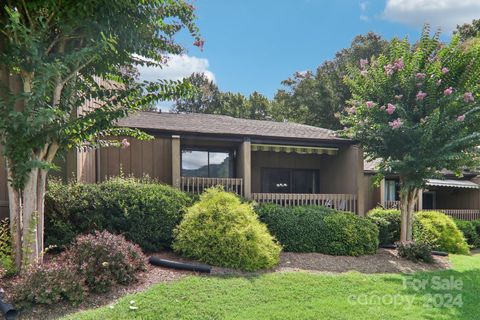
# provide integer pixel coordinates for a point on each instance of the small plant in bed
(415, 251)
(320, 229)
(222, 231)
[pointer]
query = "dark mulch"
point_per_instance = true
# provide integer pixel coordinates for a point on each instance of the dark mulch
(385, 261)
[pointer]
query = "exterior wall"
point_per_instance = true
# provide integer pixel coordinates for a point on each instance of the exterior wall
(457, 198)
(152, 158)
(372, 193)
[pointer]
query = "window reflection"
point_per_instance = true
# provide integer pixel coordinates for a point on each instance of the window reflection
(203, 163)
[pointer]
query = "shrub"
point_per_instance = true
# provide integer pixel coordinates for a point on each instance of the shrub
(7, 265)
(222, 231)
(104, 259)
(144, 211)
(439, 231)
(415, 251)
(320, 229)
(388, 223)
(49, 284)
(430, 227)
(469, 230)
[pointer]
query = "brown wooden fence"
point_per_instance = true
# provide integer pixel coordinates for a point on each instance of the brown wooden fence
(344, 202)
(462, 214)
(198, 184)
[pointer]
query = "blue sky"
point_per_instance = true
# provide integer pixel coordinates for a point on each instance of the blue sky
(252, 45)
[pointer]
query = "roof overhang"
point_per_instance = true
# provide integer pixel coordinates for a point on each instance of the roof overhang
(452, 183)
(294, 149)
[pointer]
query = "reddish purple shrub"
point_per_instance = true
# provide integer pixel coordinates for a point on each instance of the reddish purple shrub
(105, 259)
(49, 284)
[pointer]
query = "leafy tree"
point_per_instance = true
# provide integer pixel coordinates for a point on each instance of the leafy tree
(416, 109)
(316, 98)
(56, 59)
(468, 31)
(209, 99)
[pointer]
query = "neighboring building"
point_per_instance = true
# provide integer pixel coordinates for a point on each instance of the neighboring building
(456, 196)
(281, 162)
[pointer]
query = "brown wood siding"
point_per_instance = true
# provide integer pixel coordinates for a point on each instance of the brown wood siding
(457, 198)
(372, 193)
(152, 158)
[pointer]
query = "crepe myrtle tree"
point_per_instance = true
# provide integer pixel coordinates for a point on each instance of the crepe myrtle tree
(55, 56)
(415, 108)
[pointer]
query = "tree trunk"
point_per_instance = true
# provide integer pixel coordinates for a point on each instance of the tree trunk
(408, 197)
(15, 207)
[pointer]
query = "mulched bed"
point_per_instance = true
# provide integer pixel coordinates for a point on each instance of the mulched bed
(385, 261)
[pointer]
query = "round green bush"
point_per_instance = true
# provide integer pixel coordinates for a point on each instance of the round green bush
(439, 231)
(388, 223)
(145, 211)
(320, 229)
(222, 231)
(469, 230)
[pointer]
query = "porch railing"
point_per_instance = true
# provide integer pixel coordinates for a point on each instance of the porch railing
(344, 202)
(462, 214)
(198, 184)
(395, 205)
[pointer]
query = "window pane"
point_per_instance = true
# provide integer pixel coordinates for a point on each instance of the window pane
(390, 192)
(276, 180)
(194, 163)
(305, 181)
(221, 165)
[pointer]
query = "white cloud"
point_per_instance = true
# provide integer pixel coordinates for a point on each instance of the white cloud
(363, 6)
(364, 17)
(363, 9)
(178, 67)
(438, 13)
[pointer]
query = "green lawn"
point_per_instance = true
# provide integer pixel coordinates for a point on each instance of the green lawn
(301, 295)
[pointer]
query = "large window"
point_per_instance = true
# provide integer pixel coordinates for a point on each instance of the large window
(207, 163)
(392, 190)
(290, 180)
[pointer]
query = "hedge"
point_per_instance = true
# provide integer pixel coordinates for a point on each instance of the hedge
(144, 211)
(320, 229)
(431, 227)
(222, 231)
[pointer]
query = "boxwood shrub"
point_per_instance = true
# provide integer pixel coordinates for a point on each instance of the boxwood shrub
(221, 230)
(430, 227)
(144, 211)
(320, 229)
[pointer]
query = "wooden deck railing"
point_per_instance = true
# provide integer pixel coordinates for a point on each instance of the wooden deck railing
(462, 214)
(395, 205)
(198, 184)
(345, 202)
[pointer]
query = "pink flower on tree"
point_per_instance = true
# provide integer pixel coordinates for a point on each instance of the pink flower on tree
(445, 70)
(351, 110)
(363, 63)
(461, 118)
(420, 76)
(382, 107)
(398, 64)
(421, 95)
(395, 124)
(199, 43)
(468, 97)
(390, 108)
(369, 104)
(389, 69)
(125, 144)
(364, 72)
(448, 91)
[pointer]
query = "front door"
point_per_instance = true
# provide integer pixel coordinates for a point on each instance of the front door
(429, 200)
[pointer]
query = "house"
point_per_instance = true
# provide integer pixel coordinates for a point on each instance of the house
(456, 196)
(281, 162)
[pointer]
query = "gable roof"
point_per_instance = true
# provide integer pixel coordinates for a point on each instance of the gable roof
(198, 123)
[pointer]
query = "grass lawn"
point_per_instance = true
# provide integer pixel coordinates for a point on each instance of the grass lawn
(301, 295)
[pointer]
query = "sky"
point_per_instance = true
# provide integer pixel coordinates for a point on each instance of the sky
(252, 45)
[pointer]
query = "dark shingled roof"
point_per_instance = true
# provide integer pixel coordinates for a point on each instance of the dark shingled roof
(225, 125)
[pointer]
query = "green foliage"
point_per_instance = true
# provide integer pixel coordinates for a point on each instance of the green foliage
(468, 31)
(469, 230)
(7, 265)
(422, 111)
(209, 99)
(320, 229)
(439, 231)
(317, 98)
(388, 223)
(222, 231)
(104, 259)
(415, 251)
(145, 211)
(51, 284)
(430, 227)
